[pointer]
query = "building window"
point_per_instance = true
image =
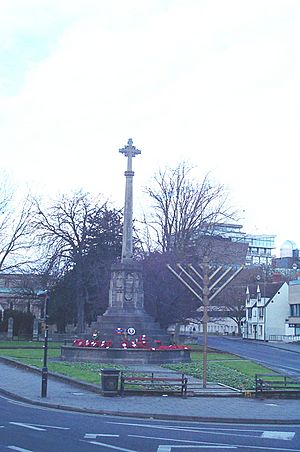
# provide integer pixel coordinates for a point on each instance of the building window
(249, 311)
(295, 310)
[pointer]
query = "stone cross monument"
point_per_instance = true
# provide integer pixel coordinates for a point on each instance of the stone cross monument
(129, 151)
(126, 294)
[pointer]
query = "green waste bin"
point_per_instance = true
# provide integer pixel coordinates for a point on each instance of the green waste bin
(110, 382)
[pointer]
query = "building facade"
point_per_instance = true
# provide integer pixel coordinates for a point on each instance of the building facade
(260, 246)
(294, 306)
(215, 325)
(21, 293)
(267, 311)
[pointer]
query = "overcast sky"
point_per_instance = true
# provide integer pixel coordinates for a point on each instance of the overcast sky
(213, 82)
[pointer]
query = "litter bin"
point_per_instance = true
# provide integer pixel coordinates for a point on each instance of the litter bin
(110, 382)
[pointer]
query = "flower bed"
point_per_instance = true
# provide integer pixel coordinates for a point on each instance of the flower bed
(125, 344)
(92, 343)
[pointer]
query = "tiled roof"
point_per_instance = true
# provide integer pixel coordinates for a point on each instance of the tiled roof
(267, 289)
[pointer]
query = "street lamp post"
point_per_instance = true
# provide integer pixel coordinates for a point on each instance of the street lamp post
(45, 368)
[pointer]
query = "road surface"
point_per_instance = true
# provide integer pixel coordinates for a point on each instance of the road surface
(284, 361)
(26, 428)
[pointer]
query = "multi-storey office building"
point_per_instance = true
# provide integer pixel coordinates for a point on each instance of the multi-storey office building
(260, 246)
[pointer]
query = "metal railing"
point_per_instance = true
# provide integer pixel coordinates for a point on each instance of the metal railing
(276, 383)
(284, 338)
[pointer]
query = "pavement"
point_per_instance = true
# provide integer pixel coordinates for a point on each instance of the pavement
(24, 384)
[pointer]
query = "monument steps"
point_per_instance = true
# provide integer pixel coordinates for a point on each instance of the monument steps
(143, 324)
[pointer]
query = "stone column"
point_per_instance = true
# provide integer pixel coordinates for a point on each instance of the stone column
(129, 151)
(126, 294)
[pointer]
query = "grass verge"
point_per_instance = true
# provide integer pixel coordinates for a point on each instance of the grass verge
(222, 368)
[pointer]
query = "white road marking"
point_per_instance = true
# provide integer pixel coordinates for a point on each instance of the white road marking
(189, 428)
(168, 448)
(19, 449)
(32, 427)
(219, 431)
(51, 426)
(41, 428)
(109, 446)
(278, 435)
(224, 445)
(94, 435)
(185, 441)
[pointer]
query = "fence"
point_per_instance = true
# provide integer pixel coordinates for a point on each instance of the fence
(284, 338)
(276, 383)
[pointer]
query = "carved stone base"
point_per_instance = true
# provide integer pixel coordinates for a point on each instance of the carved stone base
(126, 308)
(139, 323)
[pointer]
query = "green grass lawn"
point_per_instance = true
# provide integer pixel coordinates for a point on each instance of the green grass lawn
(221, 367)
(212, 356)
(31, 344)
(34, 354)
(88, 372)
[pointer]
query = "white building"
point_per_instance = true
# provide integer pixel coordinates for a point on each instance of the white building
(267, 311)
(218, 324)
(215, 325)
(294, 305)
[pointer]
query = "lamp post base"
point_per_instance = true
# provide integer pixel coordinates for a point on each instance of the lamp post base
(44, 381)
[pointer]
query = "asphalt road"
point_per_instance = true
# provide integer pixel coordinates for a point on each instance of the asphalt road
(25, 428)
(275, 358)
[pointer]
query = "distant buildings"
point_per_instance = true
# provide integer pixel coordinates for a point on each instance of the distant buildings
(21, 292)
(267, 310)
(273, 312)
(260, 247)
(217, 324)
(272, 305)
(289, 257)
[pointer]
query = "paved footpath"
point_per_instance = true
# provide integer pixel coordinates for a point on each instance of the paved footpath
(25, 385)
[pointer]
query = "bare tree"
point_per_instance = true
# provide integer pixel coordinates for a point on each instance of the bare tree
(17, 245)
(182, 207)
(63, 231)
